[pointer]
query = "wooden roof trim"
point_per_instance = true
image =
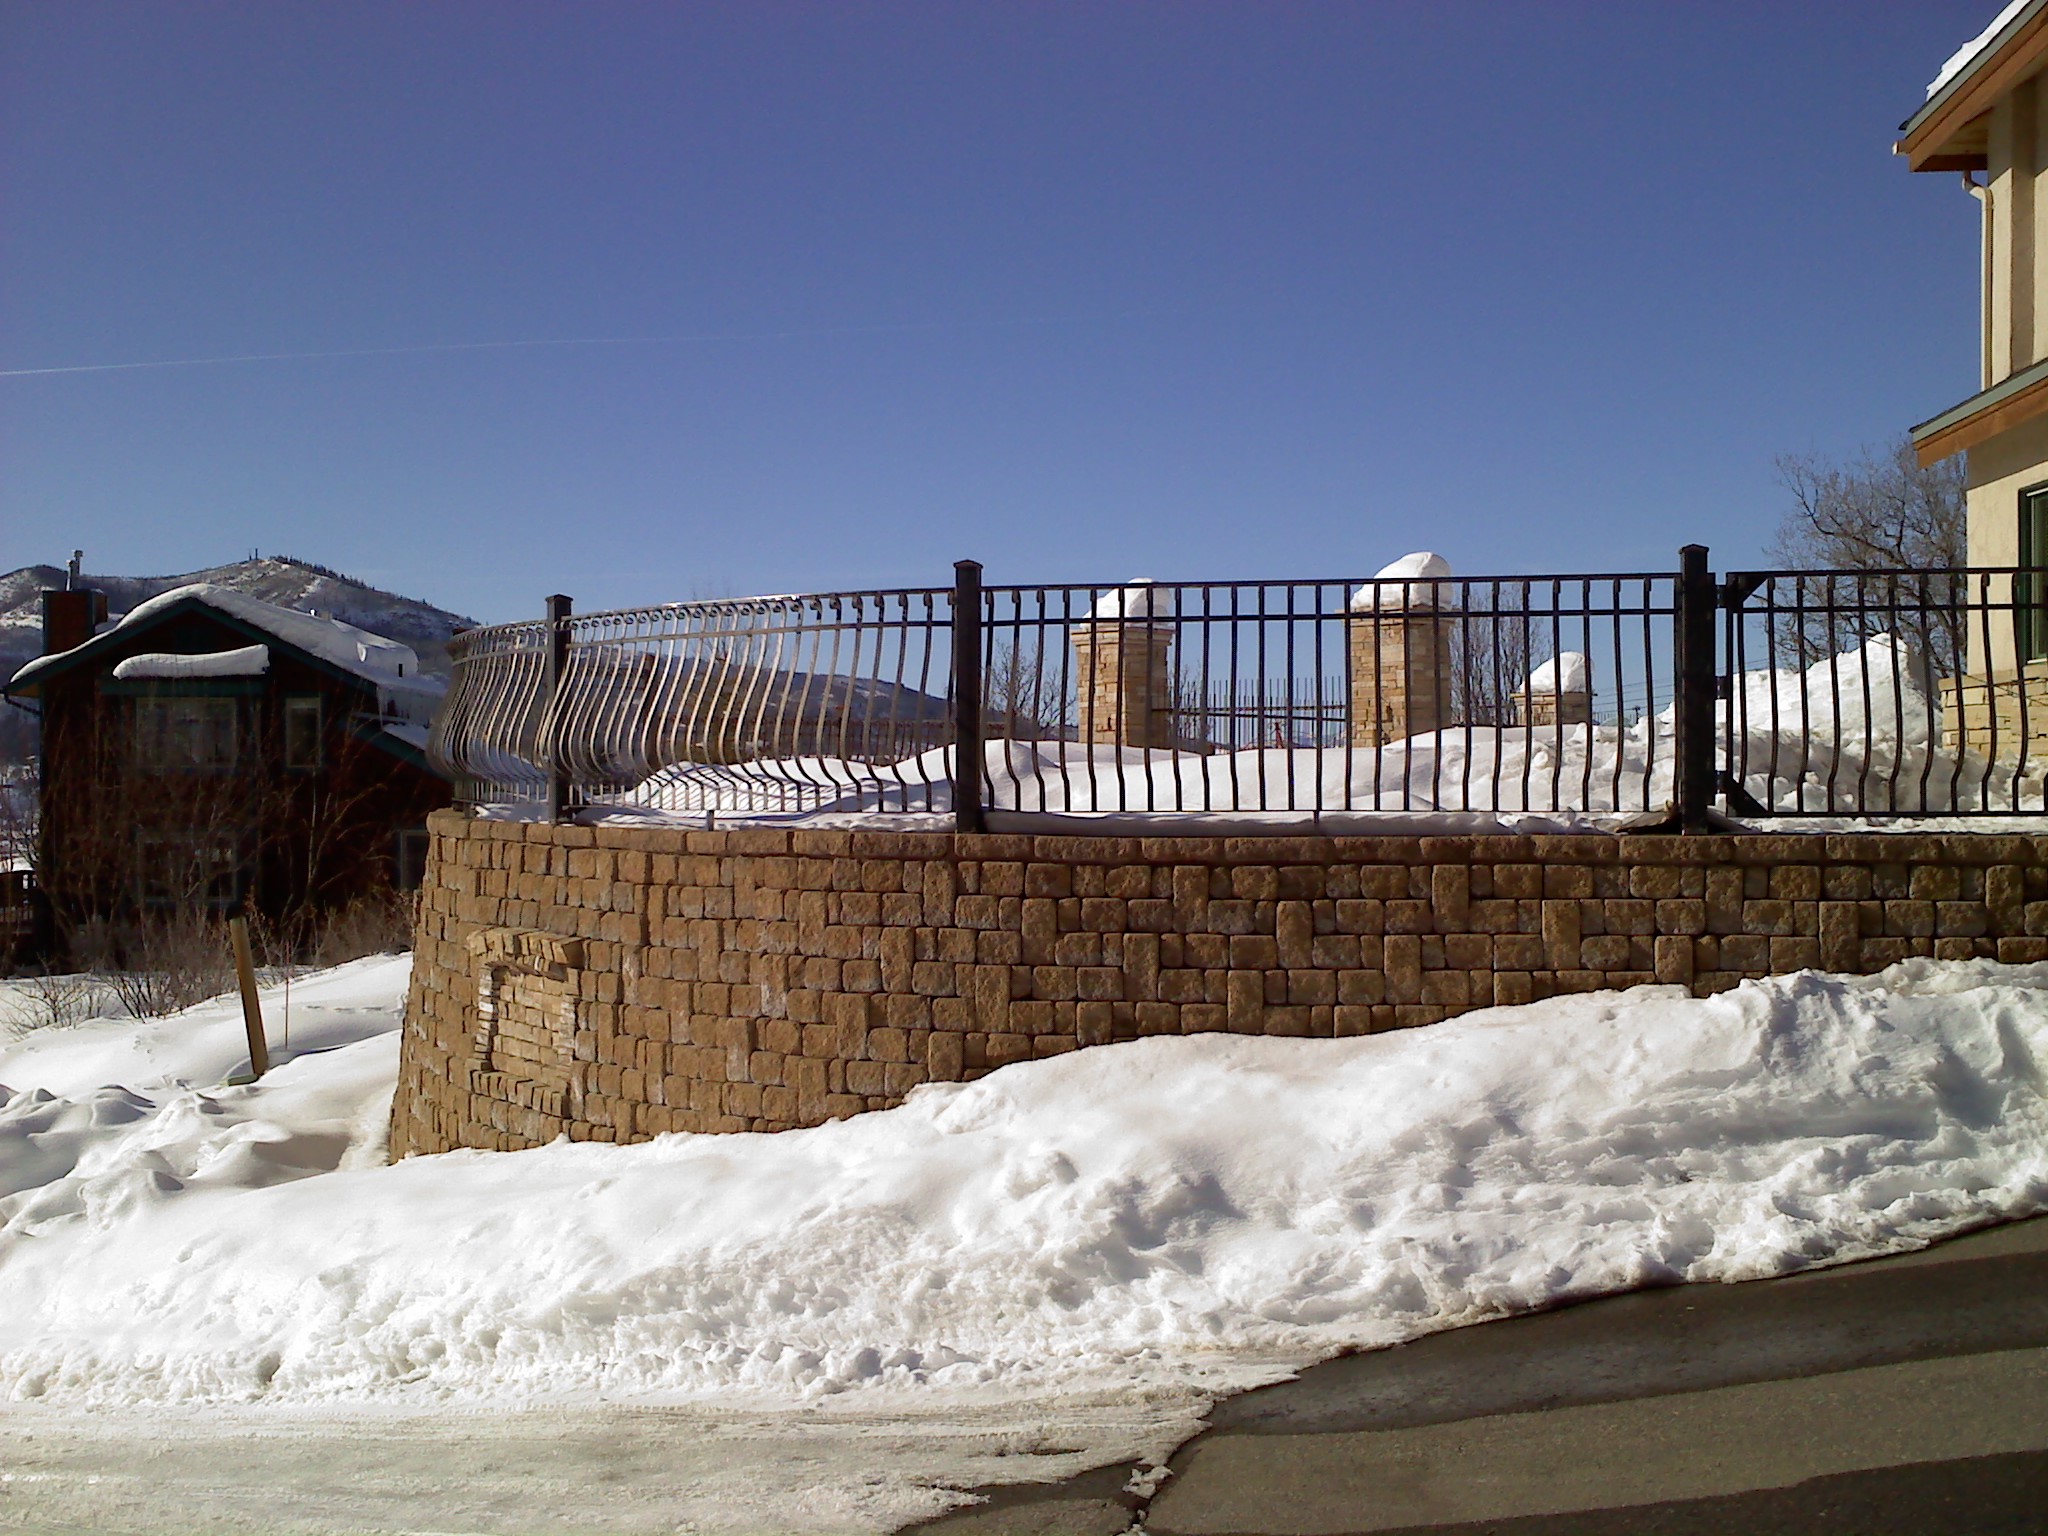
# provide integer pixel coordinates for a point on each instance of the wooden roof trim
(1971, 94)
(1982, 417)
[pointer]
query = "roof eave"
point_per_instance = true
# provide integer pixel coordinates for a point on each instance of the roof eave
(1984, 415)
(1928, 138)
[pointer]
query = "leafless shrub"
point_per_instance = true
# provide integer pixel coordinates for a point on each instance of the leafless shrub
(169, 961)
(378, 922)
(47, 999)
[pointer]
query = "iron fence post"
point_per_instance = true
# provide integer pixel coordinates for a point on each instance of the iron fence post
(1693, 712)
(554, 663)
(967, 810)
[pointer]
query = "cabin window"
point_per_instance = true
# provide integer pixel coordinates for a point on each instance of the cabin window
(190, 869)
(2030, 587)
(192, 735)
(302, 733)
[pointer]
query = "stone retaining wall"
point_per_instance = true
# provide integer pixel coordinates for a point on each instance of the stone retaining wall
(617, 983)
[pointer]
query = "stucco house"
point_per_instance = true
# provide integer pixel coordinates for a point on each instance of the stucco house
(1986, 120)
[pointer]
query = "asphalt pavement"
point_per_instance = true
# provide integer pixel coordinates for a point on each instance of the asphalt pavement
(1907, 1394)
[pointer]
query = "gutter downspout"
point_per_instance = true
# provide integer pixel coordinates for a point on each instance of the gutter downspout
(1983, 195)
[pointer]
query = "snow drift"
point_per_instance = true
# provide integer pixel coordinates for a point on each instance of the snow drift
(1205, 1211)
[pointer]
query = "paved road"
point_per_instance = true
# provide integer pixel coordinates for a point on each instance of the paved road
(1906, 1394)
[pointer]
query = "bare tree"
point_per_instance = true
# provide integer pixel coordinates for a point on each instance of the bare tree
(1879, 511)
(1025, 695)
(1883, 536)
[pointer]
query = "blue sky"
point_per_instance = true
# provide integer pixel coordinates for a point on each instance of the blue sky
(1083, 291)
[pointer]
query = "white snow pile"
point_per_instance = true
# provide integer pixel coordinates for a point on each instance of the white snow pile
(243, 661)
(1966, 55)
(1409, 582)
(1566, 672)
(1203, 1211)
(1852, 734)
(1139, 599)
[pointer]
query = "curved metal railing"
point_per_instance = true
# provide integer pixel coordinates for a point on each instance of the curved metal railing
(1828, 693)
(757, 703)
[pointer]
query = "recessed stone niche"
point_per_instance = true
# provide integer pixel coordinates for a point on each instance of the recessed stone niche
(524, 1048)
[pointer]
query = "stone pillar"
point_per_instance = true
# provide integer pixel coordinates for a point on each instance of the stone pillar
(1558, 693)
(1123, 671)
(1400, 674)
(1123, 661)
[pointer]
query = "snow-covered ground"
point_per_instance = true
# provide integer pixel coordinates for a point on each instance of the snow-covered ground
(1062, 1262)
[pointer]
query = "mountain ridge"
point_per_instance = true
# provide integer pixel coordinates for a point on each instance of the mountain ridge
(290, 583)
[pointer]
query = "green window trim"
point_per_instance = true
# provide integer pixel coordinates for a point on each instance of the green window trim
(2030, 587)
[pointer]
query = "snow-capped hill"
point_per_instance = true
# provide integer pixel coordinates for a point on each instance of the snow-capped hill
(275, 579)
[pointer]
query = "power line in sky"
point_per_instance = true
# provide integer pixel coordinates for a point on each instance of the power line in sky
(552, 341)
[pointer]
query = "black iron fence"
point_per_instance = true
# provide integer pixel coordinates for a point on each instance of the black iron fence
(1868, 693)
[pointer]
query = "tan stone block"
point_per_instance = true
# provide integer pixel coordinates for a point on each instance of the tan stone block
(1245, 1002)
(1656, 881)
(1794, 954)
(1294, 933)
(1402, 966)
(1561, 934)
(1961, 919)
(1909, 919)
(2005, 898)
(1674, 960)
(1681, 915)
(1003, 1049)
(1368, 916)
(1935, 882)
(1468, 951)
(1840, 936)
(1768, 918)
(1334, 952)
(1077, 949)
(945, 1059)
(1451, 895)
(1604, 952)
(1409, 916)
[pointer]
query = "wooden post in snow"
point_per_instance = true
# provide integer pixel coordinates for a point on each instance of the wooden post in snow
(252, 1011)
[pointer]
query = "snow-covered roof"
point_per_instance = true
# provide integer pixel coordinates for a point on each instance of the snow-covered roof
(247, 661)
(393, 666)
(1140, 598)
(1967, 55)
(1566, 672)
(1423, 568)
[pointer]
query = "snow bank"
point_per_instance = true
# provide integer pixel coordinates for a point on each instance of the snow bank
(1208, 1210)
(245, 661)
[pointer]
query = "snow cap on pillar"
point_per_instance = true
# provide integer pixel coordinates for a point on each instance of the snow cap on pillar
(1407, 583)
(1566, 672)
(1141, 598)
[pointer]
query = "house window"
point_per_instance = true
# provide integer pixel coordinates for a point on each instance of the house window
(187, 735)
(2030, 587)
(302, 733)
(190, 869)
